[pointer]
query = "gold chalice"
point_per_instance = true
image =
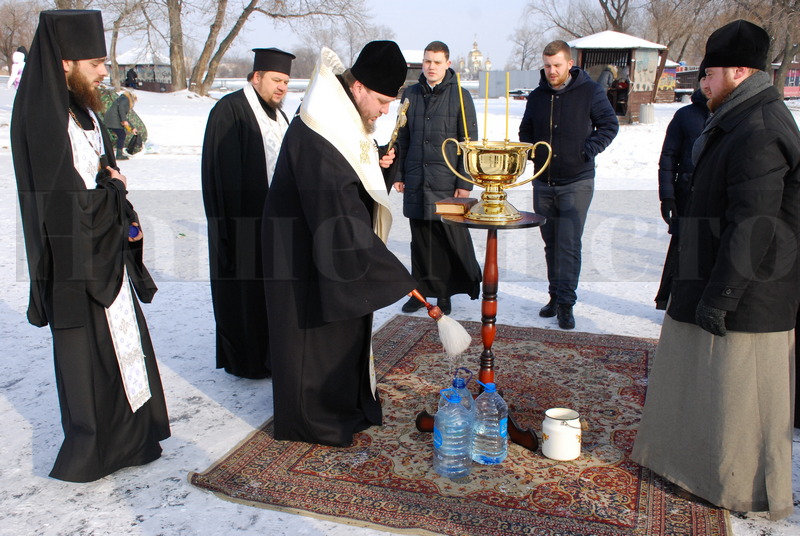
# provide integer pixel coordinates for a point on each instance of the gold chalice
(495, 167)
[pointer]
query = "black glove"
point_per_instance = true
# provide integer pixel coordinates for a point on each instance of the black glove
(669, 210)
(710, 319)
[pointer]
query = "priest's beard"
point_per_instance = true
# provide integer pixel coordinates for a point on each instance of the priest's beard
(369, 127)
(84, 92)
(727, 88)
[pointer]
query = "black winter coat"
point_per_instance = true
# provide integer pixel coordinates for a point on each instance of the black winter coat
(577, 121)
(675, 166)
(739, 238)
(433, 116)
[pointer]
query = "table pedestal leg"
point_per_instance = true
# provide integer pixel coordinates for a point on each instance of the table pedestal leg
(524, 437)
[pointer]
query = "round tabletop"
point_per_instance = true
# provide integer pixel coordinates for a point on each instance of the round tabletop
(529, 219)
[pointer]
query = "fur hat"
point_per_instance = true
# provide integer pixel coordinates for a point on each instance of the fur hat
(381, 67)
(738, 44)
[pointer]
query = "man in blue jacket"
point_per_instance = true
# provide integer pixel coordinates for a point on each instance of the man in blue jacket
(570, 112)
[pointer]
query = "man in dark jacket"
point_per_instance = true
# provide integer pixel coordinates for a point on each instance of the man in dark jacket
(442, 257)
(675, 168)
(572, 113)
(717, 419)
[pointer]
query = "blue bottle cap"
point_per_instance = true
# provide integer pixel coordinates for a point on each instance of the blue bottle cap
(133, 232)
(488, 387)
(450, 395)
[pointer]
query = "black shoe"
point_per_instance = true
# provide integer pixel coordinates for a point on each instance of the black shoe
(445, 305)
(565, 318)
(412, 305)
(549, 310)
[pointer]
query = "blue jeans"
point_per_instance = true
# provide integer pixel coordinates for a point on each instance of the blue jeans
(565, 208)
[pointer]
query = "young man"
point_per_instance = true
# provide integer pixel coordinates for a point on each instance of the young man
(717, 420)
(326, 264)
(572, 113)
(442, 257)
(84, 247)
(243, 137)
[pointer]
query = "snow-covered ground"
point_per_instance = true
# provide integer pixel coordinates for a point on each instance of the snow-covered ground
(210, 411)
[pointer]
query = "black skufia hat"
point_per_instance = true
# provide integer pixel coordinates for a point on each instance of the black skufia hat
(738, 44)
(272, 59)
(78, 33)
(381, 67)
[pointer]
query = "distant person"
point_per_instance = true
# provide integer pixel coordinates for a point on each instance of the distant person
(84, 249)
(442, 256)
(17, 66)
(131, 78)
(116, 120)
(243, 137)
(717, 418)
(572, 113)
(675, 169)
(606, 77)
(326, 264)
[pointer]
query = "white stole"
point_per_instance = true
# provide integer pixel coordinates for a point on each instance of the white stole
(272, 132)
(328, 111)
(120, 315)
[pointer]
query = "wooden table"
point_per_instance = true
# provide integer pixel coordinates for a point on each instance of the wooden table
(527, 438)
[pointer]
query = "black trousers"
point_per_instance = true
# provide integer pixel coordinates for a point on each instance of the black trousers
(565, 207)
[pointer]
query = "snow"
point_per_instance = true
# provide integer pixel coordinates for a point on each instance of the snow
(612, 39)
(211, 411)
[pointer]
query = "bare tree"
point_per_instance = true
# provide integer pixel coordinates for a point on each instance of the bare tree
(528, 43)
(126, 18)
(226, 22)
(578, 18)
(17, 25)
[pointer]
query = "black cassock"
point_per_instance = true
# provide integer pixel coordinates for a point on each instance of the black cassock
(235, 186)
(326, 271)
(77, 245)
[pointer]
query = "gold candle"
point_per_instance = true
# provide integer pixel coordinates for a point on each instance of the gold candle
(463, 113)
(486, 109)
(507, 105)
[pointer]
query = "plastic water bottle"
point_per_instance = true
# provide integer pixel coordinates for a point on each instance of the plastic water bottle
(452, 427)
(460, 386)
(490, 427)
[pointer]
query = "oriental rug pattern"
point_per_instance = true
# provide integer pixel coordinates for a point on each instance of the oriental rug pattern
(386, 480)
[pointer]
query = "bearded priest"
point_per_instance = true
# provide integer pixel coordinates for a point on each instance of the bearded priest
(84, 248)
(326, 264)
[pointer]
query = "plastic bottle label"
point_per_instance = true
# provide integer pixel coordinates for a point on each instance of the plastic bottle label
(503, 427)
(437, 438)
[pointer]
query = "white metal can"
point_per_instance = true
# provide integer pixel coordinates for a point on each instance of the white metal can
(561, 434)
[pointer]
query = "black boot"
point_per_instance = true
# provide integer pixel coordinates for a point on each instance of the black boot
(412, 305)
(445, 305)
(565, 318)
(549, 310)
(120, 155)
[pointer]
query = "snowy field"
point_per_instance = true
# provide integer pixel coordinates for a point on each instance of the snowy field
(211, 411)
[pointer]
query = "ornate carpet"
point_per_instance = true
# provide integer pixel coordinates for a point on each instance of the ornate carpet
(386, 479)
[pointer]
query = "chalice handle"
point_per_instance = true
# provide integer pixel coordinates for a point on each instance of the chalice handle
(458, 152)
(546, 163)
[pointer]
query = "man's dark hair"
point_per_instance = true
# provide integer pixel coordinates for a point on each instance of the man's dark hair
(554, 47)
(438, 46)
(250, 76)
(349, 78)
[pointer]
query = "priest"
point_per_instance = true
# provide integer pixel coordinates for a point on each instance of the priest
(243, 137)
(84, 248)
(326, 264)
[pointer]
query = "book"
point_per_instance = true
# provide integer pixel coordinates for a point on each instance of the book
(455, 205)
